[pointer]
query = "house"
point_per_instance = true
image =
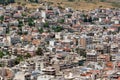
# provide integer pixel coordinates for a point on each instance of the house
(8, 60)
(6, 73)
(43, 14)
(15, 40)
(2, 30)
(91, 56)
(22, 76)
(17, 15)
(103, 58)
(85, 40)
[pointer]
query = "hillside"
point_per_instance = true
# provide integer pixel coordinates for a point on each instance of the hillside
(75, 4)
(85, 4)
(81, 4)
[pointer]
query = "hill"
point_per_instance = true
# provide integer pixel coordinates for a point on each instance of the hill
(85, 4)
(75, 4)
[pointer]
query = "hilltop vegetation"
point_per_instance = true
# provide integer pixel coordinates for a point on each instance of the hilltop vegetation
(79, 4)
(76, 4)
(6, 1)
(85, 4)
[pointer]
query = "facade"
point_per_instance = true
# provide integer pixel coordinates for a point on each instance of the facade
(49, 43)
(91, 56)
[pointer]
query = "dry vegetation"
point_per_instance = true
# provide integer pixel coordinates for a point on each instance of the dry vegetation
(77, 4)
(80, 5)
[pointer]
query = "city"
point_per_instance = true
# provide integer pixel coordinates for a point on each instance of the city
(50, 43)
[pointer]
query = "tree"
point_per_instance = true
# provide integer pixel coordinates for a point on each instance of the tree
(41, 30)
(1, 18)
(28, 55)
(7, 30)
(87, 19)
(46, 25)
(18, 59)
(102, 0)
(2, 1)
(60, 7)
(36, 1)
(30, 0)
(69, 15)
(1, 54)
(10, 1)
(61, 21)
(39, 51)
(24, 14)
(25, 32)
(71, 0)
(0, 65)
(80, 51)
(19, 33)
(20, 23)
(57, 28)
(31, 22)
(5, 2)
(7, 52)
(90, 19)
(104, 28)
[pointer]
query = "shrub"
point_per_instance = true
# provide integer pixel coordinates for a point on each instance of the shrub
(71, 0)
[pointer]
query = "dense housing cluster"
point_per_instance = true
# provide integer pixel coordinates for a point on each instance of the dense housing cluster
(54, 44)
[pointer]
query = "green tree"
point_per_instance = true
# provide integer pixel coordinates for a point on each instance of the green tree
(0, 65)
(7, 30)
(46, 25)
(115, 4)
(20, 23)
(41, 30)
(31, 22)
(19, 33)
(1, 54)
(1, 18)
(71, 0)
(25, 33)
(102, 0)
(61, 21)
(36, 1)
(24, 14)
(5, 2)
(2, 1)
(57, 28)
(68, 15)
(80, 51)
(39, 51)
(10, 1)
(18, 59)
(27, 55)
(7, 53)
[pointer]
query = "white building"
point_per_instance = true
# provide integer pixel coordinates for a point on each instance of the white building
(52, 43)
(43, 14)
(58, 36)
(44, 77)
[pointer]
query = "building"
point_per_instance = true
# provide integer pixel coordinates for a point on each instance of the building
(91, 56)
(85, 40)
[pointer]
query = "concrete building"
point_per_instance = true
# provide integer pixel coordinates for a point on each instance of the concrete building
(91, 56)
(85, 40)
